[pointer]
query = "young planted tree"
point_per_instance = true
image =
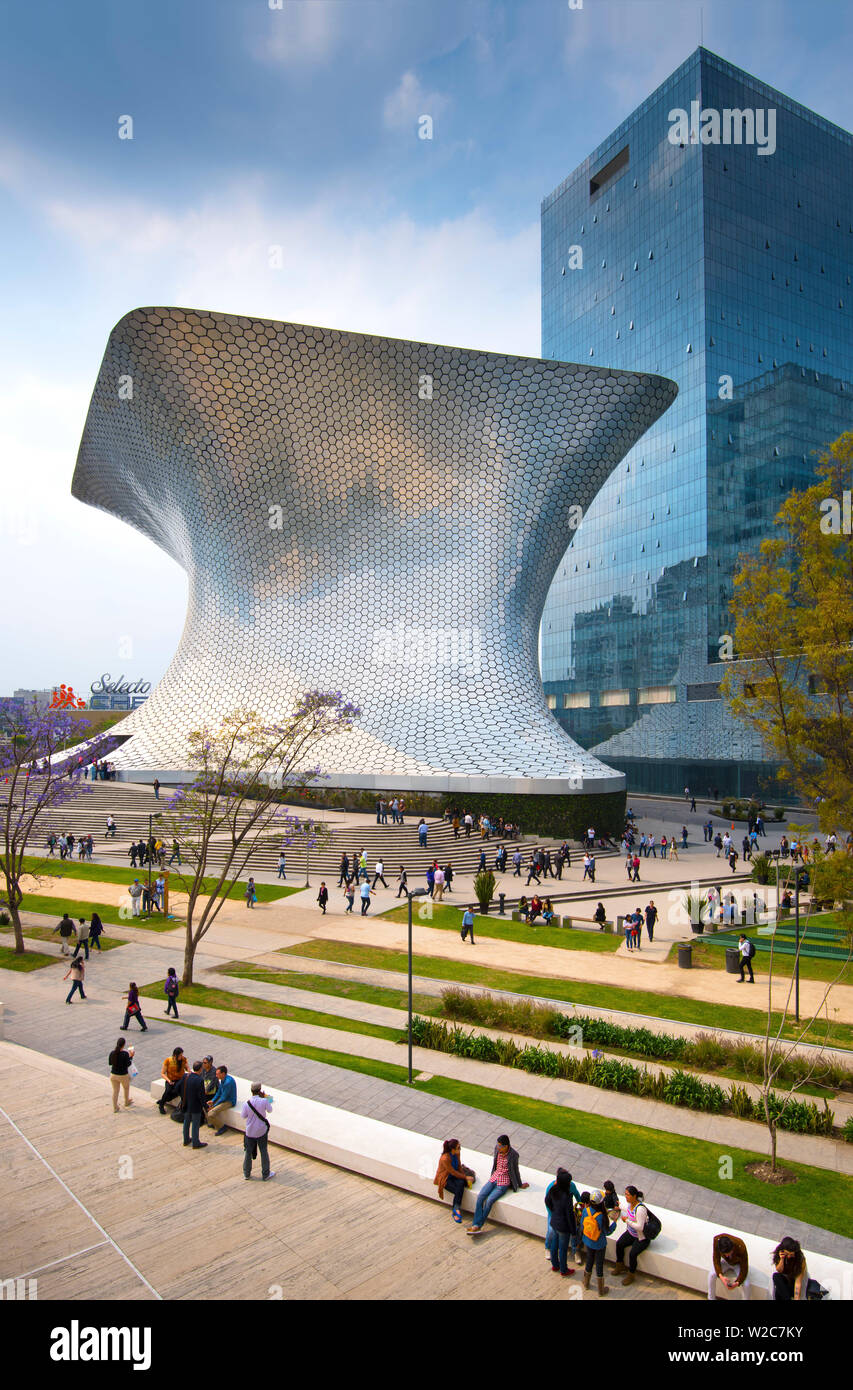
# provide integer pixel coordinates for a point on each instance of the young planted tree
(778, 1052)
(793, 640)
(235, 801)
(37, 779)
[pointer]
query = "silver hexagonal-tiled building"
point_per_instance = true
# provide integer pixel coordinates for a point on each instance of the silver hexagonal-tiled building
(360, 514)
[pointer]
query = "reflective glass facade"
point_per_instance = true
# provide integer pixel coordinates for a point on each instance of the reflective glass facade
(728, 270)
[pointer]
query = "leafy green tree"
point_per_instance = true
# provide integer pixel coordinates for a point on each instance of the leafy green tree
(793, 640)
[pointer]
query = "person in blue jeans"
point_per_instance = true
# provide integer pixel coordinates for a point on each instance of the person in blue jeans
(194, 1106)
(77, 971)
(506, 1177)
(561, 1221)
(596, 1226)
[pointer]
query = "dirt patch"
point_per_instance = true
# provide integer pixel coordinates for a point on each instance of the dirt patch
(765, 1173)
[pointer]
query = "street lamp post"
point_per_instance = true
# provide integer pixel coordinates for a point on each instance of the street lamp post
(415, 893)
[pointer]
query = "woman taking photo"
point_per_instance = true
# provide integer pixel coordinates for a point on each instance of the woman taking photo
(453, 1175)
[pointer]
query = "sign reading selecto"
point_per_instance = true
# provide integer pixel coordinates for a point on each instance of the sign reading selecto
(107, 693)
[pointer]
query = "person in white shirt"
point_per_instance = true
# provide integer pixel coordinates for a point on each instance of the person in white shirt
(438, 885)
(379, 875)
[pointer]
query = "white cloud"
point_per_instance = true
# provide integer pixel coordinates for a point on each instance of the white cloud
(408, 101)
(301, 32)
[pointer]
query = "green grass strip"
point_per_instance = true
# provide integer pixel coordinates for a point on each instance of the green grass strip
(709, 955)
(109, 873)
(648, 1002)
(328, 984)
(46, 934)
(29, 960)
(109, 913)
(816, 1192)
(207, 998)
(504, 929)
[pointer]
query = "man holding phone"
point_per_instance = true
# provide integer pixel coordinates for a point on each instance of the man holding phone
(254, 1112)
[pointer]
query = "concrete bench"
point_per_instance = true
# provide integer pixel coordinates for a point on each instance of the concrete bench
(402, 1158)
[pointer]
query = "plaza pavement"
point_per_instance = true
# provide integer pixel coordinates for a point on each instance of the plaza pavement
(83, 1033)
(111, 1207)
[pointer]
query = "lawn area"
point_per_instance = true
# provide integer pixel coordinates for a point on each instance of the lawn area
(655, 1004)
(817, 1191)
(504, 929)
(709, 957)
(268, 1008)
(109, 873)
(30, 960)
(326, 984)
(47, 934)
(108, 913)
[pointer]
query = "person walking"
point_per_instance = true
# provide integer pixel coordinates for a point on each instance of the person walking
(664, 845)
(636, 867)
(438, 884)
(323, 898)
(693, 803)
(82, 938)
(747, 951)
(506, 1177)
(223, 1099)
(132, 853)
(628, 928)
(453, 1176)
(365, 892)
(66, 931)
(157, 788)
(135, 891)
(343, 869)
(133, 1009)
(254, 1112)
(120, 1061)
(637, 1235)
(516, 863)
(561, 1213)
(455, 824)
(250, 894)
(468, 925)
(379, 874)
(194, 1105)
(533, 869)
(430, 879)
(422, 833)
(651, 918)
(349, 894)
(730, 1266)
(171, 989)
(596, 1226)
(77, 971)
(638, 928)
(96, 931)
(673, 849)
(173, 1071)
(176, 854)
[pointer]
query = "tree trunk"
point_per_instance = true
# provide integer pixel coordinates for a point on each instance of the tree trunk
(189, 957)
(15, 914)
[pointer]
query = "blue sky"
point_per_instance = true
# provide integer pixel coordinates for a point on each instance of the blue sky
(295, 127)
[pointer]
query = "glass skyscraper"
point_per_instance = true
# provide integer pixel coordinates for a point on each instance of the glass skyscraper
(708, 239)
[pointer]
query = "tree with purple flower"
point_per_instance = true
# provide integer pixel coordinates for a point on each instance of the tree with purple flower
(41, 764)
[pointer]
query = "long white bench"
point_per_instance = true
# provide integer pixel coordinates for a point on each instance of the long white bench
(681, 1254)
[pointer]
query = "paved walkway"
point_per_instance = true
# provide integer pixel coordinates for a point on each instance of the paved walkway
(80, 1217)
(36, 1016)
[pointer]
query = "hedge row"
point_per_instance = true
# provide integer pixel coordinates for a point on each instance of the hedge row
(677, 1088)
(705, 1051)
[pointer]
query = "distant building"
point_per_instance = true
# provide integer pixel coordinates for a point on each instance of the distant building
(41, 698)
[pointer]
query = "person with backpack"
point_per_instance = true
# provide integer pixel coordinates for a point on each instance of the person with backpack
(596, 1226)
(171, 989)
(641, 1227)
(561, 1221)
(254, 1112)
(747, 951)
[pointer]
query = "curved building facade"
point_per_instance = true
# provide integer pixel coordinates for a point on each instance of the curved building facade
(360, 514)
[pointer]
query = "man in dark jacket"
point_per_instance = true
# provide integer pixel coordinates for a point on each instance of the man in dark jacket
(651, 918)
(506, 1177)
(66, 931)
(194, 1105)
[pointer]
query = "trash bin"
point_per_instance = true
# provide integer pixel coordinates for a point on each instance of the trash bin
(685, 955)
(732, 960)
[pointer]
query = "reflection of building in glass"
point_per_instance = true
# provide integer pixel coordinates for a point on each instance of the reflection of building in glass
(345, 528)
(729, 272)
